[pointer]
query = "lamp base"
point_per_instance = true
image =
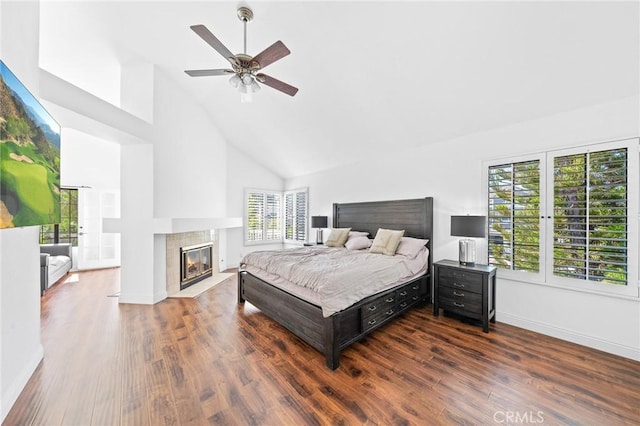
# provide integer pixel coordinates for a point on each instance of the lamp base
(467, 252)
(319, 239)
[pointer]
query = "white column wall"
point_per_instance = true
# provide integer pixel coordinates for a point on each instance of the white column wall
(136, 226)
(20, 348)
(451, 172)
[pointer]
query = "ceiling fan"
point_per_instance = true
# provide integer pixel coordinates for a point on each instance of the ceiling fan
(245, 68)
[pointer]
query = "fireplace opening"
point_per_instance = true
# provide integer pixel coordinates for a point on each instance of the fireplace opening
(195, 264)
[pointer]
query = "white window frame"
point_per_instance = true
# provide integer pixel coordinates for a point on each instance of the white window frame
(304, 227)
(282, 216)
(520, 275)
(545, 275)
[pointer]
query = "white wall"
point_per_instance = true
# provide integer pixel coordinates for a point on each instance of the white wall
(451, 172)
(137, 273)
(20, 348)
(190, 168)
(89, 161)
(244, 173)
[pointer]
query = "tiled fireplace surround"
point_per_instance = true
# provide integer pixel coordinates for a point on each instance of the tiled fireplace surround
(174, 242)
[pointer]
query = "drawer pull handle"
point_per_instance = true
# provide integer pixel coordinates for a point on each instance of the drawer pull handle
(403, 293)
(415, 287)
(455, 293)
(415, 298)
(373, 321)
(403, 305)
(372, 308)
(389, 312)
(389, 300)
(459, 305)
(458, 285)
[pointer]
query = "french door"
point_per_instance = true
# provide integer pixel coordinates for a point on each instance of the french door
(95, 248)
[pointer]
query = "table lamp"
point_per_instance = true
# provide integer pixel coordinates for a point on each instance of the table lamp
(468, 226)
(319, 222)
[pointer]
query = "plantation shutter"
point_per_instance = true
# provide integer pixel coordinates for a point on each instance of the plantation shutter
(590, 235)
(288, 216)
(296, 215)
(273, 217)
(514, 216)
(301, 216)
(255, 216)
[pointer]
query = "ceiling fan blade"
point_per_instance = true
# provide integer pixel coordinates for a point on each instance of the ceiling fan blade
(271, 54)
(277, 84)
(212, 41)
(204, 73)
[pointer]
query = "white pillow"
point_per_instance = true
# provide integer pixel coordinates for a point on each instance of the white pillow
(358, 243)
(410, 247)
(356, 234)
(386, 241)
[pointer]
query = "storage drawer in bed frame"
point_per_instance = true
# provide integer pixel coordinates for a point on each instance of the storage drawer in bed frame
(388, 305)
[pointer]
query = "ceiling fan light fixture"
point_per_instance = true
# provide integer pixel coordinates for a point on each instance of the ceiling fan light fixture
(247, 79)
(255, 87)
(235, 81)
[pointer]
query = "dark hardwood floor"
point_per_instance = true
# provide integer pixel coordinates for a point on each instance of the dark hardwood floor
(211, 361)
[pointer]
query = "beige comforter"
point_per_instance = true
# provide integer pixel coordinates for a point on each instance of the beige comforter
(335, 278)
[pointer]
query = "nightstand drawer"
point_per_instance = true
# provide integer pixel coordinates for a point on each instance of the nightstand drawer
(459, 295)
(471, 310)
(468, 281)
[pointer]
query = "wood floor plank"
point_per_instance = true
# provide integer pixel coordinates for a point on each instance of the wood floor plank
(209, 360)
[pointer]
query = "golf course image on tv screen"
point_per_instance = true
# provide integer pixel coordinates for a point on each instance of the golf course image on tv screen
(29, 157)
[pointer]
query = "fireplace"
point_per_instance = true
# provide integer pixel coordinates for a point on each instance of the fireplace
(195, 264)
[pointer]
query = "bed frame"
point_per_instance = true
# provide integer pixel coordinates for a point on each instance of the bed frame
(331, 335)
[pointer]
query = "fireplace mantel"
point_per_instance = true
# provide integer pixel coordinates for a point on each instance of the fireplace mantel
(178, 225)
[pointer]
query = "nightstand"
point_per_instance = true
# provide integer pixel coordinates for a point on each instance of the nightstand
(468, 291)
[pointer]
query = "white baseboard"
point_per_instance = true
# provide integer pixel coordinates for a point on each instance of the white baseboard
(160, 296)
(571, 336)
(142, 298)
(10, 396)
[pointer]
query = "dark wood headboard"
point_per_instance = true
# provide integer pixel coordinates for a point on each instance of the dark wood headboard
(414, 216)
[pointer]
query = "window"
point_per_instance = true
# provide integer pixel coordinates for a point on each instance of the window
(273, 216)
(590, 216)
(67, 230)
(514, 215)
(567, 217)
(295, 215)
(264, 217)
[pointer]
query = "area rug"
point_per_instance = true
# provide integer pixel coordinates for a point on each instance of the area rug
(204, 285)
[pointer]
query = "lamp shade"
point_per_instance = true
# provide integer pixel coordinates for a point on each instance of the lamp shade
(318, 221)
(468, 226)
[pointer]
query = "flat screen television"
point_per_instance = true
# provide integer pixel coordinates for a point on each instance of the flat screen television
(29, 157)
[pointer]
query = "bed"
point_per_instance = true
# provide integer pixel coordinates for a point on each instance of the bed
(331, 334)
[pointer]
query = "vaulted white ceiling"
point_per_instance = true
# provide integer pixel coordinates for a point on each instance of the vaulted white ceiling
(374, 77)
